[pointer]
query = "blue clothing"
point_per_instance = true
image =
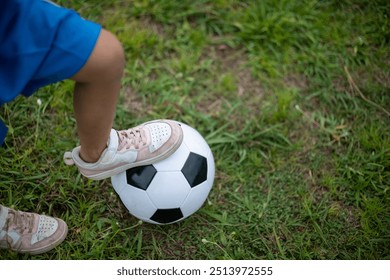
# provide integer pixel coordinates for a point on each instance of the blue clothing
(3, 132)
(40, 43)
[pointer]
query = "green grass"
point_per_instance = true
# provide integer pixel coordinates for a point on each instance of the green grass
(293, 98)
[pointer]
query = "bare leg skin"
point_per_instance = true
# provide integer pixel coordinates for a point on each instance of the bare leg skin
(96, 93)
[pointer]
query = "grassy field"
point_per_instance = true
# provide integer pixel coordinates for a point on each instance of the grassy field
(293, 98)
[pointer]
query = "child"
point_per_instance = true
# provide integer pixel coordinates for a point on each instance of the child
(42, 43)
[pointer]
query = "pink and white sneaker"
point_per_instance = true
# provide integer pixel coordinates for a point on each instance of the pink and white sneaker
(145, 144)
(29, 232)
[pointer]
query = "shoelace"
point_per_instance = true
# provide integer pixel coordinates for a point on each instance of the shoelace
(20, 221)
(131, 139)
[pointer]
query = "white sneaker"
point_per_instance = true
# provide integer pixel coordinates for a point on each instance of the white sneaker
(145, 144)
(29, 232)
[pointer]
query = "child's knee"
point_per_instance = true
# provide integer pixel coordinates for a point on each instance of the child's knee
(106, 63)
(115, 63)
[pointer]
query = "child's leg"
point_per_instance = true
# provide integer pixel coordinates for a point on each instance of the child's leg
(96, 93)
(104, 151)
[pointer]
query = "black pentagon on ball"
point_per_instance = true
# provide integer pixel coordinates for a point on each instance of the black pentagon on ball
(166, 216)
(195, 169)
(141, 176)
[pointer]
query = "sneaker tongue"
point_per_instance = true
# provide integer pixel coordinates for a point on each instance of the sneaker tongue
(112, 146)
(113, 141)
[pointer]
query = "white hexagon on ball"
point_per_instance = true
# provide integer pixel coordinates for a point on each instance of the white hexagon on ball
(168, 189)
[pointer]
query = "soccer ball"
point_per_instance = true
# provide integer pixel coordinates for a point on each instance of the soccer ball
(172, 189)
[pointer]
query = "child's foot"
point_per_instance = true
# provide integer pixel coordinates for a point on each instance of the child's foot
(28, 232)
(145, 144)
